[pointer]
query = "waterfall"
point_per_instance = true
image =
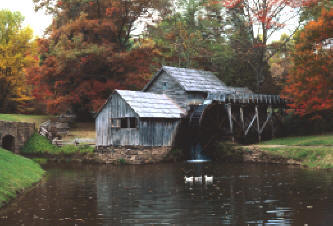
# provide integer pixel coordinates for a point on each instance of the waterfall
(196, 154)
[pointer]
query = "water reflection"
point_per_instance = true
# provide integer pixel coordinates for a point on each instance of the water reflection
(159, 194)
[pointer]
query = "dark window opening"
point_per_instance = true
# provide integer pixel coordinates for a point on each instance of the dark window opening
(165, 85)
(132, 122)
(123, 123)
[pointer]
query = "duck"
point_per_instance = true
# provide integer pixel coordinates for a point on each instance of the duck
(208, 179)
(188, 179)
(198, 179)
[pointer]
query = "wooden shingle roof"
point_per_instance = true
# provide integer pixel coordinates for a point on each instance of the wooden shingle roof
(193, 80)
(150, 105)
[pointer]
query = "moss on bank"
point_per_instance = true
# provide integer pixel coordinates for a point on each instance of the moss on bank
(41, 145)
(16, 174)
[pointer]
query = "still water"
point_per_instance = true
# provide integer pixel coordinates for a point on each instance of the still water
(239, 194)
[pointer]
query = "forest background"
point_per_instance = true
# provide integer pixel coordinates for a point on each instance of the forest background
(96, 46)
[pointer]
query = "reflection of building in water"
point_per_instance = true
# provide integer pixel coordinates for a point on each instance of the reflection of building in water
(146, 194)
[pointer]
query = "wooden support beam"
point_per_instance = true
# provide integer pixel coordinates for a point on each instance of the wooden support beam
(258, 123)
(269, 116)
(241, 113)
(230, 122)
(272, 125)
(250, 125)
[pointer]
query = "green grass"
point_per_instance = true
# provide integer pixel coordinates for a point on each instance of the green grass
(41, 161)
(37, 119)
(312, 151)
(320, 140)
(313, 157)
(41, 145)
(16, 174)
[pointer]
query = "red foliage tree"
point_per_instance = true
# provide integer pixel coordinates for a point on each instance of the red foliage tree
(310, 85)
(90, 52)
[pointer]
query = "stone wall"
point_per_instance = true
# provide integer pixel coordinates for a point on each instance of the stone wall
(131, 154)
(20, 132)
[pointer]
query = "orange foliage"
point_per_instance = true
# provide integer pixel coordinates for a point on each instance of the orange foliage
(311, 83)
(88, 55)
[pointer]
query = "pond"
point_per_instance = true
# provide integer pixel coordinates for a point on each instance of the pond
(157, 194)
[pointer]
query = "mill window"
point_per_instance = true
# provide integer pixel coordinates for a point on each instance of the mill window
(133, 122)
(115, 122)
(165, 85)
(127, 123)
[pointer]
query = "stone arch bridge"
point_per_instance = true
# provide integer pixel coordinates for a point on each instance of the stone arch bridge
(13, 135)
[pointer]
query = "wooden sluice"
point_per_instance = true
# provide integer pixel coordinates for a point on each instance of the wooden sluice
(244, 113)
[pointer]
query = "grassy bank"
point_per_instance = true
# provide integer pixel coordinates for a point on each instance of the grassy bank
(312, 151)
(320, 140)
(16, 174)
(40, 145)
(37, 119)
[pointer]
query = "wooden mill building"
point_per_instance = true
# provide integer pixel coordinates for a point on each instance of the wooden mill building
(133, 118)
(150, 118)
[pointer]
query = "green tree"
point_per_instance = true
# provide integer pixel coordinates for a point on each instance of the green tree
(192, 36)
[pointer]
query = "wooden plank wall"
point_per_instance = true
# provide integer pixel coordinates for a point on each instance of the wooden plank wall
(196, 97)
(150, 132)
(105, 134)
(173, 90)
(101, 124)
(158, 132)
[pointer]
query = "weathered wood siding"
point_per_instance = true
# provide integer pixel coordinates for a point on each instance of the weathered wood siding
(196, 97)
(175, 91)
(105, 134)
(172, 90)
(149, 132)
(101, 124)
(158, 132)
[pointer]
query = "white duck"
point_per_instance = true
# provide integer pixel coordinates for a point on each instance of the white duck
(198, 179)
(208, 179)
(188, 179)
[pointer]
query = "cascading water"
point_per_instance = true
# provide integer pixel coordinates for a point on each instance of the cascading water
(197, 155)
(195, 134)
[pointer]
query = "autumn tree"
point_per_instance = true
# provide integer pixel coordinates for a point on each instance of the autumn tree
(261, 20)
(311, 10)
(17, 51)
(90, 52)
(310, 85)
(281, 64)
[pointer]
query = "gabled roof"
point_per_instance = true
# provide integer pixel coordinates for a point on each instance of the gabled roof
(150, 105)
(192, 80)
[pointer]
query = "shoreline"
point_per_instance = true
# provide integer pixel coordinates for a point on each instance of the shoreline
(21, 193)
(254, 154)
(312, 157)
(18, 174)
